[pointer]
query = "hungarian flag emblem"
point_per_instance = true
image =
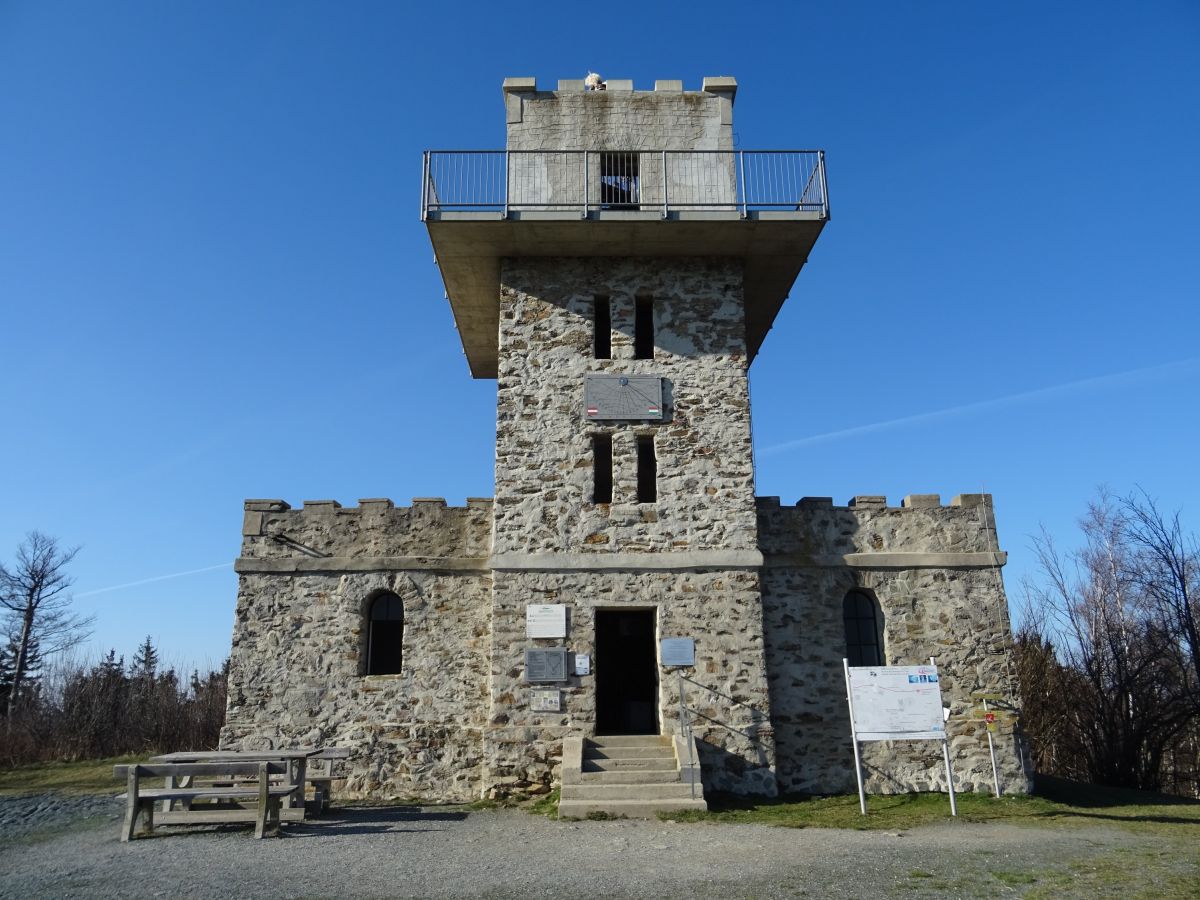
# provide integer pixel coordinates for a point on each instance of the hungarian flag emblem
(592, 411)
(652, 411)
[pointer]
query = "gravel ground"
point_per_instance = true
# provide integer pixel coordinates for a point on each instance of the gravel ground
(68, 847)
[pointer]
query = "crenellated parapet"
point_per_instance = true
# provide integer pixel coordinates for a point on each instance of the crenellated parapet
(323, 535)
(868, 533)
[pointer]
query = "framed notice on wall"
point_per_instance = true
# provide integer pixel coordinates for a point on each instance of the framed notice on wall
(546, 620)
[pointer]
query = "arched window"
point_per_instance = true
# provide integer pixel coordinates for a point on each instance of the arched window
(864, 632)
(385, 635)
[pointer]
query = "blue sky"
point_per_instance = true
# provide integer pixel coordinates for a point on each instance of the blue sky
(214, 283)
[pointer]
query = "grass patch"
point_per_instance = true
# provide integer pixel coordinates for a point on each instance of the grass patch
(91, 776)
(546, 805)
(1056, 802)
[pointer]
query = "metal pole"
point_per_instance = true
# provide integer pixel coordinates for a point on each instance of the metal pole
(685, 727)
(506, 184)
(824, 187)
(949, 776)
(742, 166)
(991, 749)
(664, 180)
(424, 183)
(862, 796)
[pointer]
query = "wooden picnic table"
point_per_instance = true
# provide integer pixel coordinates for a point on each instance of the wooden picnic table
(295, 760)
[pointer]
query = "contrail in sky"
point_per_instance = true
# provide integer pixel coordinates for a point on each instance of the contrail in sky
(117, 587)
(1099, 381)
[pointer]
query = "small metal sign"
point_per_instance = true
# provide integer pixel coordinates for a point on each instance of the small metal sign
(545, 701)
(677, 651)
(546, 620)
(583, 664)
(543, 664)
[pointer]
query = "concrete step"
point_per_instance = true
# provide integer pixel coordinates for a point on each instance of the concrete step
(661, 791)
(656, 764)
(634, 809)
(630, 752)
(630, 740)
(630, 776)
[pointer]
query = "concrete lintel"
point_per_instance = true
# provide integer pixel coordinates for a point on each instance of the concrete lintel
(619, 84)
(519, 85)
(674, 85)
(588, 562)
(871, 501)
(921, 501)
(815, 502)
(322, 505)
(267, 505)
(980, 560)
(971, 500)
(339, 564)
(376, 503)
(571, 85)
(431, 501)
(723, 84)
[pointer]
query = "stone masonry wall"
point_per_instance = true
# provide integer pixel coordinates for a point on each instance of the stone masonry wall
(296, 676)
(957, 614)
(544, 466)
(721, 609)
(621, 120)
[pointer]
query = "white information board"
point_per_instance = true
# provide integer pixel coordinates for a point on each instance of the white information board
(546, 620)
(896, 703)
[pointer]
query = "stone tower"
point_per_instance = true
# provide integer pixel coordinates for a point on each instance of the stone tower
(615, 269)
(624, 273)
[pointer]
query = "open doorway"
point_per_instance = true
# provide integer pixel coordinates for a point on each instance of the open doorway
(626, 666)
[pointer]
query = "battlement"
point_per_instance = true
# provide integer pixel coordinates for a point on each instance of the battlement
(816, 529)
(720, 84)
(429, 528)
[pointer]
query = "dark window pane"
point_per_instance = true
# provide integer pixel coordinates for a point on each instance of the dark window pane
(602, 317)
(643, 328)
(647, 470)
(385, 635)
(602, 468)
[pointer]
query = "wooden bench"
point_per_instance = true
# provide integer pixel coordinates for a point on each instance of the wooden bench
(140, 799)
(320, 775)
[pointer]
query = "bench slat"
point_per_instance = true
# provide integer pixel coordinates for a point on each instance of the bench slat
(193, 793)
(166, 770)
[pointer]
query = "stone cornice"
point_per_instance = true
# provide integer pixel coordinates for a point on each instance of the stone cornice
(295, 565)
(599, 562)
(977, 560)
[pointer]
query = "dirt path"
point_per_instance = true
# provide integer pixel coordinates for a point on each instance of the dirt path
(436, 853)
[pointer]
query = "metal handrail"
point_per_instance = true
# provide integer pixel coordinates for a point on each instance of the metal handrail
(589, 181)
(685, 728)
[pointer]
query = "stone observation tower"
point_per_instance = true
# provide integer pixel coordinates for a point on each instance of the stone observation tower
(624, 618)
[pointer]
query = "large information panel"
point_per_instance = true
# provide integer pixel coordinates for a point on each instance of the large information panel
(896, 703)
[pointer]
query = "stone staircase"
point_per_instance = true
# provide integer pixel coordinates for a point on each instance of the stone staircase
(628, 775)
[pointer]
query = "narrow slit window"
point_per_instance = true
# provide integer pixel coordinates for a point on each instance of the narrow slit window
(647, 470)
(643, 328)
(602, 468)
(385, 635)
(602, 318)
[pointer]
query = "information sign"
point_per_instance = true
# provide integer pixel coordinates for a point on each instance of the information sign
(583, 664)
(897, 703)
(677, 651)
(546, 664)
(546, 620)
(545, 701)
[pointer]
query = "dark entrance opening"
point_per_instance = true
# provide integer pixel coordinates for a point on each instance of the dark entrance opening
(626, 668)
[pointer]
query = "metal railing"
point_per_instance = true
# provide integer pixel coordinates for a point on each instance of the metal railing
(589, 181)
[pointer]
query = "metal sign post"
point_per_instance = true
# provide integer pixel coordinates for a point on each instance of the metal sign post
(862, 794)
(896, 703)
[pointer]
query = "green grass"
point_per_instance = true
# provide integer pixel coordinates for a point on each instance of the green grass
(92, 776)
(1057, 802)
(546, 805)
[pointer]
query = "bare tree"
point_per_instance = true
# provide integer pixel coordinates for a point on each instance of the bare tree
(34, 593)
(1168, 573)
(1099, 658)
